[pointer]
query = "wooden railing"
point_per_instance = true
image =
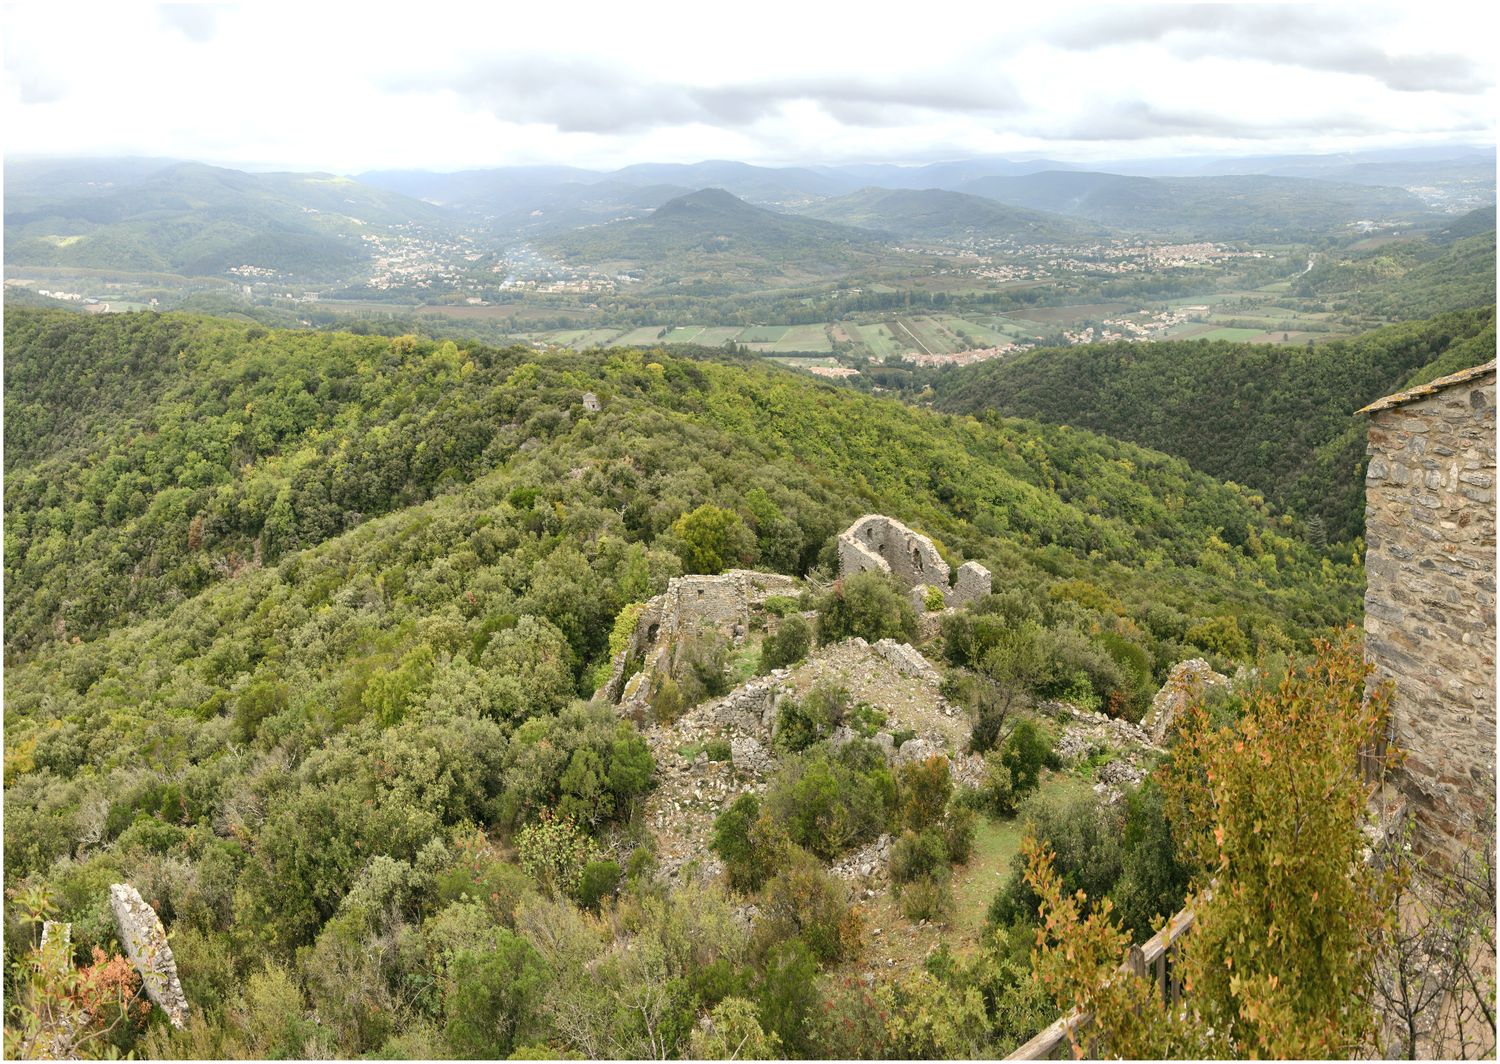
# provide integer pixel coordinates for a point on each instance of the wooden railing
(1154, 959)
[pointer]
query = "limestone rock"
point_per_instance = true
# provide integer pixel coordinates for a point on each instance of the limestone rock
(145, 942)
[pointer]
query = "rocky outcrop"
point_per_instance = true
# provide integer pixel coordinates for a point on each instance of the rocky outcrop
(882, 544)
(1186, 683)
(145, 942)
(892, 678)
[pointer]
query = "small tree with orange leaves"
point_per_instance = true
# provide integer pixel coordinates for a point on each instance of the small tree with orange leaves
(1270, 809)
(61, 1011)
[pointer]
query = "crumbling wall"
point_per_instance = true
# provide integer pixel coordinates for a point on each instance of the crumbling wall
(882, 544)
(1430, 594)
(1186, 682)
(690, 605)
(145, 942)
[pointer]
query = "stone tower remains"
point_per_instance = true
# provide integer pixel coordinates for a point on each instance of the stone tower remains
(1430, 594)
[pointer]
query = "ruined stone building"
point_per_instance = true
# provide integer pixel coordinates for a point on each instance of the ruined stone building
(1430, 594)
(885, 545)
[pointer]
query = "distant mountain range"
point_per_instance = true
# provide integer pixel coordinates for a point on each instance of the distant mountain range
(1224, 207)
(155, 215)
(940, 214)
(196, 220)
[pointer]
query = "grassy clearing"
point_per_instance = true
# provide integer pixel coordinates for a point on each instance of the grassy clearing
(1232, 334)
(804, 338)
(717, 335)
(996, 843)
(684, 334)
(879, 339)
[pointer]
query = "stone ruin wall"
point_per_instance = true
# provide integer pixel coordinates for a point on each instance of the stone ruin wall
(1430, 598)
(883, 544)
(694, 604)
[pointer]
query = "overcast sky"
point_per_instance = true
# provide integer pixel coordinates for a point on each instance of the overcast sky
(349, 87)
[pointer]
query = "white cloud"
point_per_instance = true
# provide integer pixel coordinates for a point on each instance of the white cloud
(349, 88)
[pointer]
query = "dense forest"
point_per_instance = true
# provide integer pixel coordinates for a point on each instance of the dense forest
(302, 630)
(1278, 419)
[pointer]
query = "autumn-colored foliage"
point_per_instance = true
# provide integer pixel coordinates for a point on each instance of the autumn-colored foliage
(1288, 914)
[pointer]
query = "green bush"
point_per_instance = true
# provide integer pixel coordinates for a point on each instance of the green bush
(599, 879)
(958, 832)
(917, 855)
(831, 804)
(868, 605)
(926, 899)
(743, 844)
(1025, 752)
(787, 645)
(711, 539)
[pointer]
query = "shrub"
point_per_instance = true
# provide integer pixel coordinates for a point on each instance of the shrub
(933, 599)
(917, 855)
(998, 794)
(780, 605)
(746, 846)
(958, 833)
(787, 645)
(599, 879)
(1025, 752)
(733, 1033)
(1085, 837)
(800, 724)
(803, 901)
(925, 787)
(1220, 635)
(926, 899)
(868, 605)
(827, 804)
(554, 852)
(492, 996)
(711, 539)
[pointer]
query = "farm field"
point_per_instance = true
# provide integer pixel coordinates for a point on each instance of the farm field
(803, 363)
(877, 339)
(802, 338)
(645, 336)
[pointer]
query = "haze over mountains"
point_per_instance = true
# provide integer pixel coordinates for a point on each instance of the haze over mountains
(191, 219)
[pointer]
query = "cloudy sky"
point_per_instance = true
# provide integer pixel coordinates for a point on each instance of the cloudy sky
(350, 87)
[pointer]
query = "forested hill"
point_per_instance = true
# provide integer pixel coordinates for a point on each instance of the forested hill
(1277, 419)
(300, 625)
(149, 457)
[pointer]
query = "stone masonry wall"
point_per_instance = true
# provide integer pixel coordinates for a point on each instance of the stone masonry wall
(883, 544)
(1430, 596)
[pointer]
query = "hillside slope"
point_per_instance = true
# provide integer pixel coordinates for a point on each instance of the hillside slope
(1202, 207)
(936, 213)
(1278, 419)
(300, 625)
(712, 229)
(201, 220)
